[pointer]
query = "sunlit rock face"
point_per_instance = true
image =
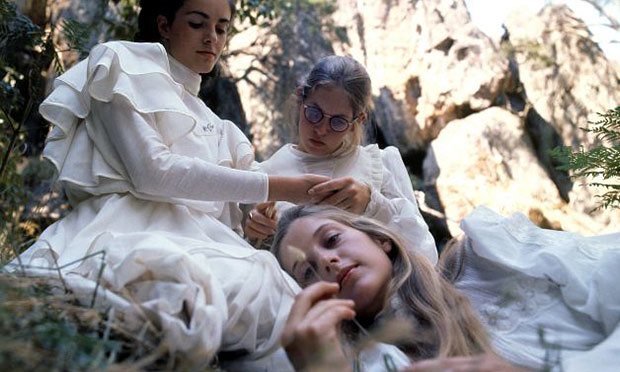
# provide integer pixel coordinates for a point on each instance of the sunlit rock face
(428, 62)
(568, 80)
(488, 159)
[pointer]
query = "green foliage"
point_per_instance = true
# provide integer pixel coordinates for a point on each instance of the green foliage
(265, 12)
(123, 23)
(76, 35)
(256, 11)
(26, 52)
(601, 162)
(50, 333)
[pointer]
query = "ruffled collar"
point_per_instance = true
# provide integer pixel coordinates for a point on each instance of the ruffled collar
(341, 152)
(185, 76)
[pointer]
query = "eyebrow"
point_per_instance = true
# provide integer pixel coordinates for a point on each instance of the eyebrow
(319, 231)
(344, 116)
(205, 15)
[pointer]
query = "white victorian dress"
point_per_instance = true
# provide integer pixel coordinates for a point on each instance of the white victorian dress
(154, 177)
(550, 299)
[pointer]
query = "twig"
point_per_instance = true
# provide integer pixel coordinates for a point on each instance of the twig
(99, 274)
(14, 135)
(62, 280)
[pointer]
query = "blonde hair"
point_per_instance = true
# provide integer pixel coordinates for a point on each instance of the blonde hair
(349, 75)
(445, 322)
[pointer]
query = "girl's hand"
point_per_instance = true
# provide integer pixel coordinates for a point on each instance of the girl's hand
(479, 363)
(311, 336)
(294, 189)
(345, 193)
(261, 222)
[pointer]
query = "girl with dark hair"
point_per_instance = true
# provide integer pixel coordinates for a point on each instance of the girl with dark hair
(332, 103)
(508, 296)
(154, 178)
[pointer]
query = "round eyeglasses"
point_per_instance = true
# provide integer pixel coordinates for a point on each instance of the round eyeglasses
(314, 115)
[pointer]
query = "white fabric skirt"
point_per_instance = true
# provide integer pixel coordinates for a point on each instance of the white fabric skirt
(184, 273)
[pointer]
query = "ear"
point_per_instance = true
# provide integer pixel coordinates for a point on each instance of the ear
(163, 27)
(385, 245)
(361, 117)
(299, 91)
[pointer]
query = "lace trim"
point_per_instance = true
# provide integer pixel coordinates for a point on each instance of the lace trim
(519, 300)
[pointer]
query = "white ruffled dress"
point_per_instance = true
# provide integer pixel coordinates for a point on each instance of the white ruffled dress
(153, 176)
(391, 200)
(550, 299)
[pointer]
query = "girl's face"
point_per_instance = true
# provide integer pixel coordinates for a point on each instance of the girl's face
(198, 33)
(320, 138)
(341, 254)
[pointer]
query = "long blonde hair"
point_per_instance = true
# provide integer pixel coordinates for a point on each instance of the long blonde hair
(444, 321)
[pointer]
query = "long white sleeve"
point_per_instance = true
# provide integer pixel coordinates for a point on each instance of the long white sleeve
(153, 169)
(395, 205)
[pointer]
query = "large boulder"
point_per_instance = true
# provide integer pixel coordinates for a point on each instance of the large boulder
(488, 159)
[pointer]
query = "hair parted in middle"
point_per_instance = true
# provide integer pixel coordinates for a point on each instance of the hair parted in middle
(348, 74)
(148, 31)
(444, 320)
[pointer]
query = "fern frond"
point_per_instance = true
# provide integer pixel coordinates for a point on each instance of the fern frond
(599, 162)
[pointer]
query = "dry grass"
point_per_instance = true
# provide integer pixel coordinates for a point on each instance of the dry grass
(43, 328)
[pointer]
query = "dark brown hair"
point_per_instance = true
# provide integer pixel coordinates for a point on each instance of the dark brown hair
(151, 9)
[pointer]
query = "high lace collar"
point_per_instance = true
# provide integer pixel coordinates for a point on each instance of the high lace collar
(185, 76)
(341, 152)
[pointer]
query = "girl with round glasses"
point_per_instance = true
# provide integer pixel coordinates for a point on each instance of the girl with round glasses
(333, 102)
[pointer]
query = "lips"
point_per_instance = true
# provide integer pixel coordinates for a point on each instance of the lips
(316, 142)
(206, 52)
(343, 274)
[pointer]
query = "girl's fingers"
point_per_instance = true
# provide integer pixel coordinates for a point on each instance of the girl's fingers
(260, 221)
(335, 199)
(319, 312)
(266, 208)
(252, 233)
(328, 186)
(307, 298)
(325, 327)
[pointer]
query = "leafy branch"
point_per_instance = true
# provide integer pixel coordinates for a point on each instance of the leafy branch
(601, 162)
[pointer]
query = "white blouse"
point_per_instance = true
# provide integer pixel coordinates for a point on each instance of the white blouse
(550, 299)
(391, 200)
(146, 132)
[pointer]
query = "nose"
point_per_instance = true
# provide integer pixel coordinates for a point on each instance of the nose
(322, 127)
(210, 35)
(328, 265)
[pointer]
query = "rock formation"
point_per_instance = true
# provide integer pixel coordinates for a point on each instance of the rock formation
(484, 114)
